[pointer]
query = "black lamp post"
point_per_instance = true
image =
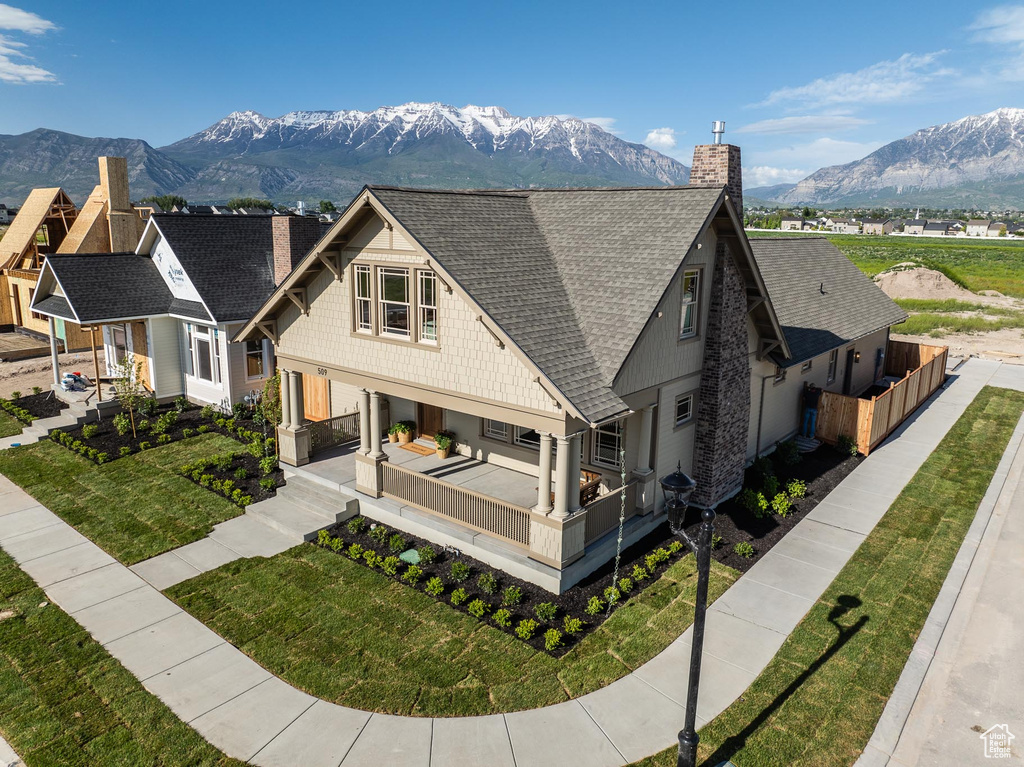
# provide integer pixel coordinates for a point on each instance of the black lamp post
(678, 487)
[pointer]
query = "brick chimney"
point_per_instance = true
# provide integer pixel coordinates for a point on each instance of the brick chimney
(718, 164)
(293, 238)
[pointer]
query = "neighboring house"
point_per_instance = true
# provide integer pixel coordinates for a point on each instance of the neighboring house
(937, 228)
(978, 227)
(176, 302)
(845, 226)
(7, 214)
(915, 226)
(519, 321)
(877, 226)
(996, 228)
(790, 224)
(810, 224)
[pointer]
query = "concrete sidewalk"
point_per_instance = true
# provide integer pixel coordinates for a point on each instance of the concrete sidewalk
(250, 714)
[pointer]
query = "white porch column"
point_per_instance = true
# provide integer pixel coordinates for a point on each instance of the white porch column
(643, 456)
(376, 451)
(286, 400)
(295, 410)
(364, 422)
(575, 446)
(647, 486)
(53, 353)
(562, 447)
(544, 477)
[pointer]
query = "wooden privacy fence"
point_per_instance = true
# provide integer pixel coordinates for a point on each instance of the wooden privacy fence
(869, 421)
(602, 515)
(475, 510)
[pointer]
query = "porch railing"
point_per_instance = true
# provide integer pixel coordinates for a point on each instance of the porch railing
(602, 515)
(333, 431)
(474, 510)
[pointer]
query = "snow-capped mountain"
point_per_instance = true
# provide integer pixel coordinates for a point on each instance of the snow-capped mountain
(976, 161)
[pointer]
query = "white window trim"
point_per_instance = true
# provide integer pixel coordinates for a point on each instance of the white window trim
(806, 367)
(394, 271)
(360, 269)
(594, 443)
(423, 276)
(695, 303)
(211, 336)
(833, 366)
(679, 400)
(264, 360)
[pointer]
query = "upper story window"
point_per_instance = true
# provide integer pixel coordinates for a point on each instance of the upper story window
(406, 301)
(689, 314)
(364, 299)
(607, 443)
(395, 303)
(428, 306)
(833, 363)
(256, 359)
(684, 409)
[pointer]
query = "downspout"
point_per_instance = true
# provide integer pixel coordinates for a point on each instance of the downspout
(760, 415)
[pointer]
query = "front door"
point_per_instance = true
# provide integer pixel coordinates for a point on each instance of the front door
(848, 373)
(429, 421)
(316, 397)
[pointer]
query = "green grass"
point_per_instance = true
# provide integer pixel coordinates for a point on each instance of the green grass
(65, 701)
(940, 325)
(350, 635)
(9, 425)
(819, 699)
(134, 508)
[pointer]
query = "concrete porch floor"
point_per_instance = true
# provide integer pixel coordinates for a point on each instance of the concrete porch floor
(338, 465)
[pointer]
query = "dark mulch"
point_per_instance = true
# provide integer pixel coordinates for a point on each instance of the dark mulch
(573, 602)
(244, 473)
(42, 405)
(822, 470)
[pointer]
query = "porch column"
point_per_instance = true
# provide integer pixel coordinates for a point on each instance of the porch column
(575, 447)
(643, 456)
(296, 399)
(364, 421)
(646, 487)
(286, 400)
(562, 447)
(544, 477)
(53, 353)
(376, 451)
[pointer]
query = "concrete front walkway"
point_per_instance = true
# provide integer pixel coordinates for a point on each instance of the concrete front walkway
(248, 713)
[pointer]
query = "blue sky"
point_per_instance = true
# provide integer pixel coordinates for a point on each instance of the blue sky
(799, 88)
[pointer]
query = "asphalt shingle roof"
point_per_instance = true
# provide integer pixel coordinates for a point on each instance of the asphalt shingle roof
(821, 299)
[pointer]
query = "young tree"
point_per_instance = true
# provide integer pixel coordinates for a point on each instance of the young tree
(270, 402)
(128, 385)
(326, 206)
(250, 202)
(166, 201)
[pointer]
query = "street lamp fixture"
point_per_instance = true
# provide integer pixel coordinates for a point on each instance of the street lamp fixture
(678, 488)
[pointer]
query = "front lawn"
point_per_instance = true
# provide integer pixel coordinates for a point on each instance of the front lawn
(133, 508)
(348, 634)
(819, 699)
(65, 701)
(9, 425)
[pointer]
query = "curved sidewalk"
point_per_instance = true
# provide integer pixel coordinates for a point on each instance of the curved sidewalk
(248, 713)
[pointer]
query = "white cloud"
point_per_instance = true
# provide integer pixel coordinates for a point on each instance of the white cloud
(1003, 24)
(886, 81)
(15, 66)
(815, 154)
(803, 124)
(766, 175)
(604, 123)
(661, 139)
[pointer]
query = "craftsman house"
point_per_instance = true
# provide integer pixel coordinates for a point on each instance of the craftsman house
(175, 303)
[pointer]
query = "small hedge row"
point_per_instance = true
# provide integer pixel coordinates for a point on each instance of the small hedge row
(18, 412)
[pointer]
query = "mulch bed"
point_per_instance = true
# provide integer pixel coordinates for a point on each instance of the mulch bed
(42, 405)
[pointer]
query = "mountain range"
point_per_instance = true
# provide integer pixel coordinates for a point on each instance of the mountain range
(331, 155)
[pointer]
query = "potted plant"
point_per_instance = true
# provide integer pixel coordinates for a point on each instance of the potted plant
(393, 433)
(444, 441)
(404, 430)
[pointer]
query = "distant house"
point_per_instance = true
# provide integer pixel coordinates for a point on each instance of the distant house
(845, 226)
(978, 227)
(877, 226)
(915, 226)
(7, 214)
(197, 209)
(939, 228)
(995, 228)
(1015, 229)
(810, 224)
(791, 224)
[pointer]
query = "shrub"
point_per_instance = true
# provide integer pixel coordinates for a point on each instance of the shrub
(513, 596)
(37, 389)
(788, 453)
(57, 436)
(143, 425)
(89, 431)
(639, 573)
(546, 611)
(655, 558)
(223, 462)
(337, 544)
(412, 575)
(572, 625)
(122, 424)
(612, 594)
(240, 410)
(744, 549)
(434, 587)
(763, 468)
(181, 404)
(796, 489)
(204, 480)
(478, 608)
(594, 606)
(323, 537)
(846, 445)
(675, 547)
(625, 585)
(267, 483)
(379, 533)
(203, 429)
(16, 394)
(781, 505)
(488, 583)
(459, 596)
(526, 628)
(267, 465)
(125, 451)
(356, 525)
(255, 448)
(241, 473)
(427, 554)
(144, 445)
(552, 639)
(163, 439)
(355, 552)
(371, 559)
(206, 412)
(717, 541)
(503, 618)
(771, 486)
(390, 565)
(187, 432)
(460, 571)
(148, 407)
(756, 503)
(227, 486)
(396, 542)
(245, 500)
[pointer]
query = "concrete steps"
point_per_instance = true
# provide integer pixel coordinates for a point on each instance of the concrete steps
(72, 417)
(301, 509)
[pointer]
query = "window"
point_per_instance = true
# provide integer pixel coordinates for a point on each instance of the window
(607, 443)
(689, 314)
(833, 363)
(364, 300)
(527, 437)
(119, 340)
(204, 353)
(806, 367)
(427, 307)
(496, 429)
(394, 301)
(254, 359)
(780, 374)
(31, 296)
(684, 409)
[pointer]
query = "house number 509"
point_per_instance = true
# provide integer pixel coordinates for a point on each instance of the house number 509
(321, 371)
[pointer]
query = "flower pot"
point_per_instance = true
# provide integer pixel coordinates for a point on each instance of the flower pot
(442, 453)
(404, 437)
(392, 438)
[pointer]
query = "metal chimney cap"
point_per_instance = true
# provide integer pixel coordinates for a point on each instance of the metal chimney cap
(717, 129)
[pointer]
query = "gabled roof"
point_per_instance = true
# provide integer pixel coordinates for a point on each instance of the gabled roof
(877, 220)
(229, 259)
(978, 222)
(822, 300)
(917, 222)
(33, 214)
(570, 276)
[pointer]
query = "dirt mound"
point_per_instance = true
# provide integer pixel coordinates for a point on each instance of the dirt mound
(919, 282)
